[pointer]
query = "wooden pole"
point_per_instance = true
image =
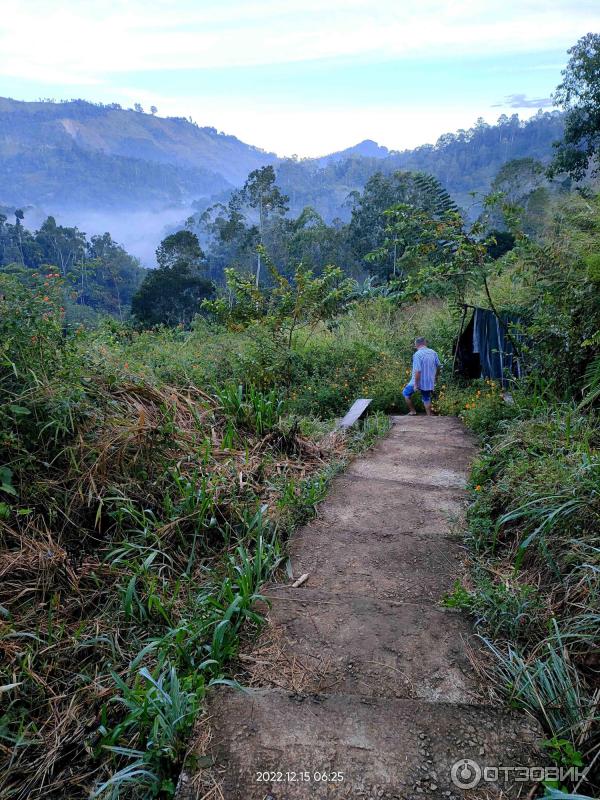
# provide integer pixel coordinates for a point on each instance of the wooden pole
(462, 325)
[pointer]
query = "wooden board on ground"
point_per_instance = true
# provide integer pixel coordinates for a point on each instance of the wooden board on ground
(357, 410)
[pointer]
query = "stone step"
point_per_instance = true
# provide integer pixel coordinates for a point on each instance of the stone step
(364, 646)
(270, 744)
(459, 439)
(421, 422)
(387, 565)
(440, 422)
(393, 466)
(451, 436)
(370, 504)
(436, 454)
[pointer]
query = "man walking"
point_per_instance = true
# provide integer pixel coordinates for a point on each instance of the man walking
(425, 370)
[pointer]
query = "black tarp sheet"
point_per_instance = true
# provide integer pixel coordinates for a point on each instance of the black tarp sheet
(486, 349)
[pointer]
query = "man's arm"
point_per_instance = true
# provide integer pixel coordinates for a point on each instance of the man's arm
(417, 369)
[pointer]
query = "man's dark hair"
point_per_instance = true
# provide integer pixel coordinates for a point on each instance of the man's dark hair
(420, 340)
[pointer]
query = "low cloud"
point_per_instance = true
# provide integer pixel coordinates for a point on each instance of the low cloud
(522, 101)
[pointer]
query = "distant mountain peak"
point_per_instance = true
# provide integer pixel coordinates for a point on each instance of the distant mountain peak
(365, 149)
(369, 148)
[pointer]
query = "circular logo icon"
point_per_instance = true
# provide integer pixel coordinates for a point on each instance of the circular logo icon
(465, 773)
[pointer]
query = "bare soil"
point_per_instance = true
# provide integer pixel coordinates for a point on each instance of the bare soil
(362, 686)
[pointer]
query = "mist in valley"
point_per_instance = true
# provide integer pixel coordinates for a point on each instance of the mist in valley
(139, 232)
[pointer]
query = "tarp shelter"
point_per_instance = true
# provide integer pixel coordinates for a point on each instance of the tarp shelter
(486, 346)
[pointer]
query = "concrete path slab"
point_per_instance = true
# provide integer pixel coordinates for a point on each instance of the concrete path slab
(388, 749)
(402, 471)
(426, 452)
(386, 565)
(376, 648)
(372, 504)
(459, 439)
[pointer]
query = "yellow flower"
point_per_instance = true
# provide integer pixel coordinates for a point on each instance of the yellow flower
(478, 488)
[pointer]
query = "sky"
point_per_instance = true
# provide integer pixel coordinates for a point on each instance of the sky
(304, 77)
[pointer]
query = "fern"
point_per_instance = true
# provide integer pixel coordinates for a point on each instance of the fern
(437, 198)
(591, 387)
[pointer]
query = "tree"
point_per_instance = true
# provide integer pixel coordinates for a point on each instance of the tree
(370, 226)
(172, 294)
(462, 257)
(96, 273)
(19, 217)
(518, 178)
(522, 182)
(180, 247)
(117, 274)
(230, 242)
(63, 246)
(411, 234)
(138, 107)
(261, 193)
(314, 244)
(153, 110)
(579, 96)
(289, 306)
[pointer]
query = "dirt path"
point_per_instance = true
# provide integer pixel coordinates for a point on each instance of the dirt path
(361, 673)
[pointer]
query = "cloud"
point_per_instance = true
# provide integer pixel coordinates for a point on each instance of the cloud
(522, 101)
(59, 40)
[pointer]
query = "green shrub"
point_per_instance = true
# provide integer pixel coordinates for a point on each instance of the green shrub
(480, 404)
(507, 609)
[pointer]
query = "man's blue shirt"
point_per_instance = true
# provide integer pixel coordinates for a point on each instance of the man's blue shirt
(426, 361)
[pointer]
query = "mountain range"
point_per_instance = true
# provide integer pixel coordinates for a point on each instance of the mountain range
(103, 167)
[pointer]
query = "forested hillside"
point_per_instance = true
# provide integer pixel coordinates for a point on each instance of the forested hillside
(464, 162)
(97, 275)
(77, 152)
(72, 158)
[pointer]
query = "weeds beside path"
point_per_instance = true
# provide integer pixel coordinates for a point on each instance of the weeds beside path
(534, 589)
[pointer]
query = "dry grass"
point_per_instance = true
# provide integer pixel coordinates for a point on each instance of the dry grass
(271, 662)
(63, 622)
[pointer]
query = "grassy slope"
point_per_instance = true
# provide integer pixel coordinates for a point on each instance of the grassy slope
(533, 529)
(534, 588)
